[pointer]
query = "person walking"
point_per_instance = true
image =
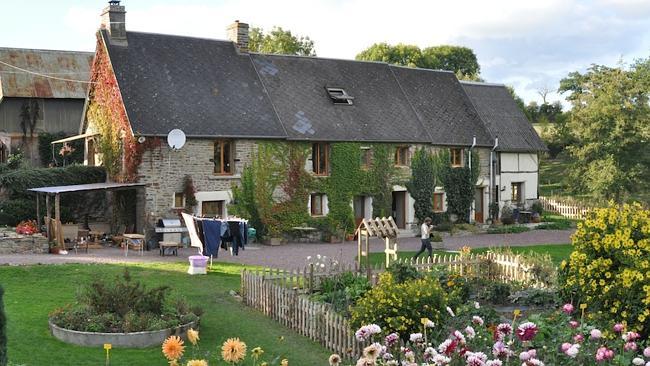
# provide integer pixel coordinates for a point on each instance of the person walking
(425, 231)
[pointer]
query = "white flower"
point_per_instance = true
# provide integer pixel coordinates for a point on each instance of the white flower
(477, 320)
(596, 334)
(430, 324)
(476, 305)
(441, 360)
(416, 338)
(494, 363)
(638, 361)
(451, 312)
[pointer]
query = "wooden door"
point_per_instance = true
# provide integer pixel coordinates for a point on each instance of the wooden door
(359, 204)
(479, 208)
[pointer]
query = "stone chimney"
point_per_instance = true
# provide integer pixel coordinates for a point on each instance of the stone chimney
(238, 33)
(114, 21)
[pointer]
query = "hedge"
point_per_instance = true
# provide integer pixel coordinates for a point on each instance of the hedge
(17, 182)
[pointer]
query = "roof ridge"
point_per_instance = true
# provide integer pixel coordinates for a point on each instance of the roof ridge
(480, 83)
(181, 36)
(44, 50)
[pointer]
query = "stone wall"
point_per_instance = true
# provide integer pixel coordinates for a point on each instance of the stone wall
(163, 171)
(12, 243)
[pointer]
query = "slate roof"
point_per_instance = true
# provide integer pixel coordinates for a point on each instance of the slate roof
(443, 106)
(202, 86)
(297, 87)
(62, 64)
(503, 118)
(208, 89)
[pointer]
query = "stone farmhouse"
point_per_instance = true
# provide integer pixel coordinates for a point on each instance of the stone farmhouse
(227, 99)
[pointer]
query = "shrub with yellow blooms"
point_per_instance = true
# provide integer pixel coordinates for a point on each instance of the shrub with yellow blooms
(398, 307)
(609, 269)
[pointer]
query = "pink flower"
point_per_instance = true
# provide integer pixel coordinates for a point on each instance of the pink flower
(501, 350)
(618, 327)
(565, 346)
(646, 352)
(573, 324)
(477, 320)
(525, 356)
(630, 346)
(604, 354)
(579, 338)
(567, 308)
(448, 346)
(596, 334)
(630, 336)
(527, 331)
(502, 331)
(573, 351)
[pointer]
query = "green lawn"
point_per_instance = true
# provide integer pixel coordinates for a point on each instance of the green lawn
(558, 252)
(31, 292)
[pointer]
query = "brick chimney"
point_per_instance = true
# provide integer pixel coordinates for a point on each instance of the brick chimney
(114, 21)
(238, 33)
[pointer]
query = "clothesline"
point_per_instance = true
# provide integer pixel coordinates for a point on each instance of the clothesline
(211, 234)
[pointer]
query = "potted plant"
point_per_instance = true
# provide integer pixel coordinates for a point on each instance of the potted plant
(54, 247)
(494, 211)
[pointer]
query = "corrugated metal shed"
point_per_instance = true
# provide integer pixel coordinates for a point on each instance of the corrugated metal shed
(61, 64)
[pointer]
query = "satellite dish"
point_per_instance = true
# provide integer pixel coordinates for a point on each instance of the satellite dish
(176, 139)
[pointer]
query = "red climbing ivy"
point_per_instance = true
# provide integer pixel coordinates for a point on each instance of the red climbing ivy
(108, 117)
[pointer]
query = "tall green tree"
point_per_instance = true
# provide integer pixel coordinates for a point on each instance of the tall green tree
(460, 60)
(610, 124)
(280, 41)
(422, 183)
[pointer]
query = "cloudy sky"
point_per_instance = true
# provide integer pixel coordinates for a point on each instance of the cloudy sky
(528, 44)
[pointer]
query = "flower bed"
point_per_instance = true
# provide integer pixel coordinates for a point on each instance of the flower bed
(557, 338)
(123, 306)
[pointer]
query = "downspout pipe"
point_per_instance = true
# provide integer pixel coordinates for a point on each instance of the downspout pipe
(492, 176)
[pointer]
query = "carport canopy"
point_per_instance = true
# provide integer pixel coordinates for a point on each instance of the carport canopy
(57, 190)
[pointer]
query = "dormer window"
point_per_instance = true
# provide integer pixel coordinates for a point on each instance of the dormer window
(340, 96)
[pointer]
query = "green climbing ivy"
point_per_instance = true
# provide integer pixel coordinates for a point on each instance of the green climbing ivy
(459, 183)
(345, 182)
(381, 177)
(422, 183)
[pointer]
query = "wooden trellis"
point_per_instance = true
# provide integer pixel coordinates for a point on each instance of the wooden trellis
(384, 228)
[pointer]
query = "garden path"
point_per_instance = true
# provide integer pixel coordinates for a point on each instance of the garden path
(292, 255)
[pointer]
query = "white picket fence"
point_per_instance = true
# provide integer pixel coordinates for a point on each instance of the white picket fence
(284, 295)
(565, 208)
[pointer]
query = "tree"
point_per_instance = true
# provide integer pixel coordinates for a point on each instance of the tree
(280, 41)
(460, 60)
(422, 183)
(518, 100)
(610, 124)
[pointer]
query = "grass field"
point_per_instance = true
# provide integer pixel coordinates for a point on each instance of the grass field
(552, 181)
(31, 292)
(558, 252)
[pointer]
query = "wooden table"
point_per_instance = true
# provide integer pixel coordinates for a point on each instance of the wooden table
(169, 244)
(137, 240)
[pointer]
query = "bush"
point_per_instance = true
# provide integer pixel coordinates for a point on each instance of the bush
(494, 210)
(403, 272)
(398, 307)
(18, 181)
(122, 305)
(506, 215)
(537, 207)
(3, 330)
(435, 237)
(608, 269)
(496, 292)
(507, 229)
(13, 211)
(535, 297)
(342, 290)
(558, 225)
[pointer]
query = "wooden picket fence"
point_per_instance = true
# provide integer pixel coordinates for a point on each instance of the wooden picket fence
(284, 294)
(565, 208)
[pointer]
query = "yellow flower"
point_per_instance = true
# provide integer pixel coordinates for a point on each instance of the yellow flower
(257, 352)
(583, 306)
(173, 348)
(284, 362)
(517, 312)
(197, 363)
(193, 336)
(233, 350)
(173, 363)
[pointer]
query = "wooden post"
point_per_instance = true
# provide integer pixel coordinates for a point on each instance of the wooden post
(48, 213)
(38, 211)
(57, 217)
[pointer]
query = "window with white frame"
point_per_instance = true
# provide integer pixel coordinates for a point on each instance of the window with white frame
(318, 204)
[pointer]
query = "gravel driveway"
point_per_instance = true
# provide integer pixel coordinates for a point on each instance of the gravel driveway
(291, 256)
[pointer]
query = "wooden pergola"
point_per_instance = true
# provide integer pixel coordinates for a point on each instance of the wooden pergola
(384, 228)
(53, 225)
